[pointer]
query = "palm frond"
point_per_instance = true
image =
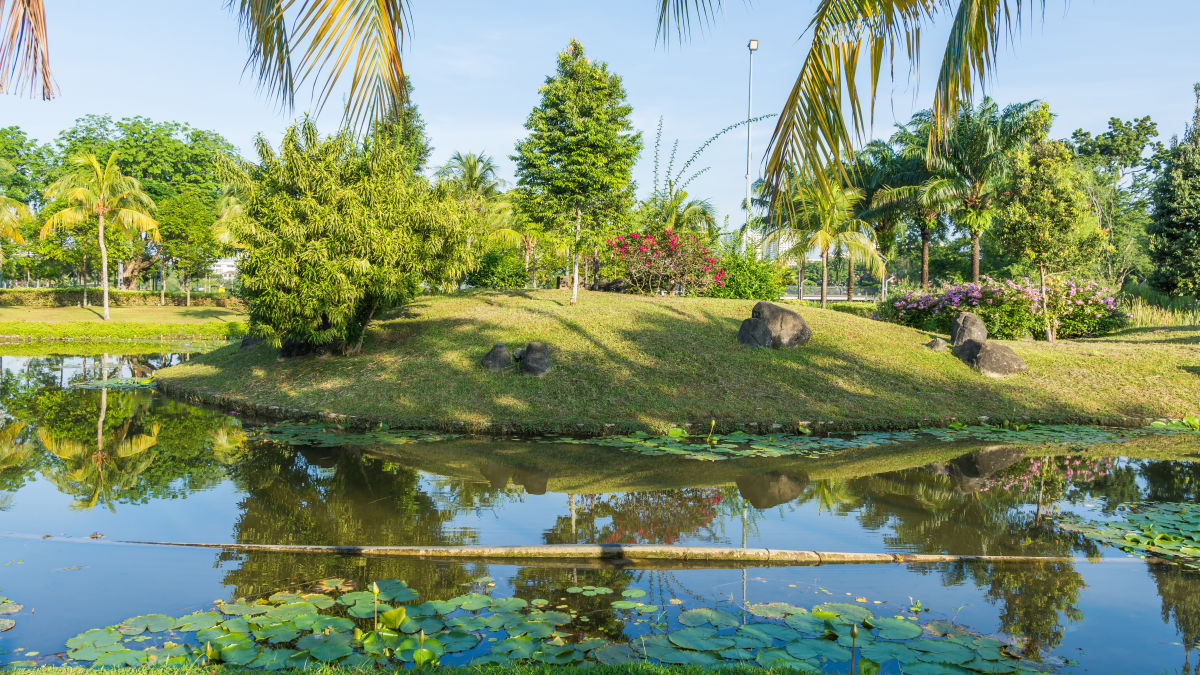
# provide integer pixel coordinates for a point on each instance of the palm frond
(266, 33)
(25, 49)
(680, 14)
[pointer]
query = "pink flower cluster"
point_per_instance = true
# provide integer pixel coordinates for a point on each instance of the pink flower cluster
(1049, 475)
(671, 263)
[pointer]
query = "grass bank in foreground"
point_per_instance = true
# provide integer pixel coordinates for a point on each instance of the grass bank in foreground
(654, 363)
(128, 323)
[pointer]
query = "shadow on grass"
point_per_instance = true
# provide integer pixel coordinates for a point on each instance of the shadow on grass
(1153, 335)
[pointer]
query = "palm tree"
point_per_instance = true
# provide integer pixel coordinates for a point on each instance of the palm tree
(826, 220)
(101, 190)
(12, 211)
(670, 209)
(473, 178)
(290, 41)
(879, 165)
(824, 116)
(968, 171)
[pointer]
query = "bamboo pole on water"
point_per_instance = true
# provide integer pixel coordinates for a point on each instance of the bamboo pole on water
(631, 554)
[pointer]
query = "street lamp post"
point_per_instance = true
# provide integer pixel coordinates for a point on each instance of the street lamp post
(753, 47)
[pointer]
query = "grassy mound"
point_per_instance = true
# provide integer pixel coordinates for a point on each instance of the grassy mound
(653, 363)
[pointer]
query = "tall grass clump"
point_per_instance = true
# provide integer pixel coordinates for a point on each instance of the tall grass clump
(1149, 308)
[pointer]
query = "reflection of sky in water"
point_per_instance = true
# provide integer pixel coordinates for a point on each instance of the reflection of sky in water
(1112, 620)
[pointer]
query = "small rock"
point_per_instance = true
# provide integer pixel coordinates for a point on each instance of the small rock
(967, 326)
(536, 359)
(788, 329)
(498, 358)
(519, 353)
(937, 344)
(990, 358)
(754, 333)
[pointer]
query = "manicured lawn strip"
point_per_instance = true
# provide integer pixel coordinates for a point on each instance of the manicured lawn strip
(122, 314)
(127, 323)
(126, 330)
(43, 348)
(653, 363)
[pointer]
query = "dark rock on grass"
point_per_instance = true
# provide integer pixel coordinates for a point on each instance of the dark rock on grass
(990, 358)
(937, 344)
(250, 342)
(754, 333)
(614, 286)
(765, 490)
(536, 359)
(967, 326)
(518, 353)
(788, 329)
(498, 358)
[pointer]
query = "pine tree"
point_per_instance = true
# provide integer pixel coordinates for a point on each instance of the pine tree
(1175, 228)
(574, 169)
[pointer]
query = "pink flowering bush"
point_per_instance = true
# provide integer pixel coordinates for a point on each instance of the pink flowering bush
(1010, 309)
(1051, 478)
(670, 262)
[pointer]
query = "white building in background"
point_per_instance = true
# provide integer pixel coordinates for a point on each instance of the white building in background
(226, 268)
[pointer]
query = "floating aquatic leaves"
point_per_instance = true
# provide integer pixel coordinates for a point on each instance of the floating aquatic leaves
(121, 383)
(742, 445)
(296, 630)
(1168, 530)
(312, 434)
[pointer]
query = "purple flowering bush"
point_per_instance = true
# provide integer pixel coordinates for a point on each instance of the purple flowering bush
(1010, 309)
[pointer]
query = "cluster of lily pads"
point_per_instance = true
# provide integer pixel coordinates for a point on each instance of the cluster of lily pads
(716, 447)
(294, 629)
(8, 607)
(121, 383)
(1167, 530)
(323, 436)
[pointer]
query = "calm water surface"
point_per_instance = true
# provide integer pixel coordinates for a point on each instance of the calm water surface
(175, 472)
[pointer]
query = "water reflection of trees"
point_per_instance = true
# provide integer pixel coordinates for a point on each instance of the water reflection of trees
(338, 497)
(107, 446)
(660, 517)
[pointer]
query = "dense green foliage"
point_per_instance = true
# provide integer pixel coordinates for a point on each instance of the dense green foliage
(499, 269)
(748, 276)
(337, 232)
(574, 168)
(1175, 228)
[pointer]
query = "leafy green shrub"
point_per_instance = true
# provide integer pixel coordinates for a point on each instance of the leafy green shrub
(1083, 308)
(499, 269)
(747, 276)
(72, 296)
(337, 231)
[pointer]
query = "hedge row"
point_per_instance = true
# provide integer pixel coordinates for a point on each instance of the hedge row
(73, 297)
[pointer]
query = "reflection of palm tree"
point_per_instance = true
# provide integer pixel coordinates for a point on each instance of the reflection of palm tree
(15, 461)
(832, 495)
(96, 473)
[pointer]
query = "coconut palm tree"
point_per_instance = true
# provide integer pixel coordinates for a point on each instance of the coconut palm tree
(825, 220)
(473, 178)
(12, 211)
(825, 116)
(290, 41)
(966, 173)
(101, 190)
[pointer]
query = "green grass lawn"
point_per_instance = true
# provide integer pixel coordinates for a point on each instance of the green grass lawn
(127, 323)
(653, 363)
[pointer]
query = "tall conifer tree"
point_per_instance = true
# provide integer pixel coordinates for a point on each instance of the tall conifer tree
(1175, 228)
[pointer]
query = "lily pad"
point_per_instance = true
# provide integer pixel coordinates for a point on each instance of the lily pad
(700, 638)
(718, 618)
(897, 629)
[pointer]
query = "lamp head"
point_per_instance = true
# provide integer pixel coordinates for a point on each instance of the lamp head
(753, 45)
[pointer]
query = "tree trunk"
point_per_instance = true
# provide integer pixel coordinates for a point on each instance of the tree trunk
(162, 284)
(528, 280)
(187, 292)
(925, 236)
(103, 263)
(1045, 308)
(800, 280)
(824, 277)
(575, 258)
(849, 276)
(974, 257)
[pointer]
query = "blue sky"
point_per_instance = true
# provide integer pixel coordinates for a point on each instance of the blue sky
(477, 65)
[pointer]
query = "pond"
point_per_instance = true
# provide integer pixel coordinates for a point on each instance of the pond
(91, 458)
